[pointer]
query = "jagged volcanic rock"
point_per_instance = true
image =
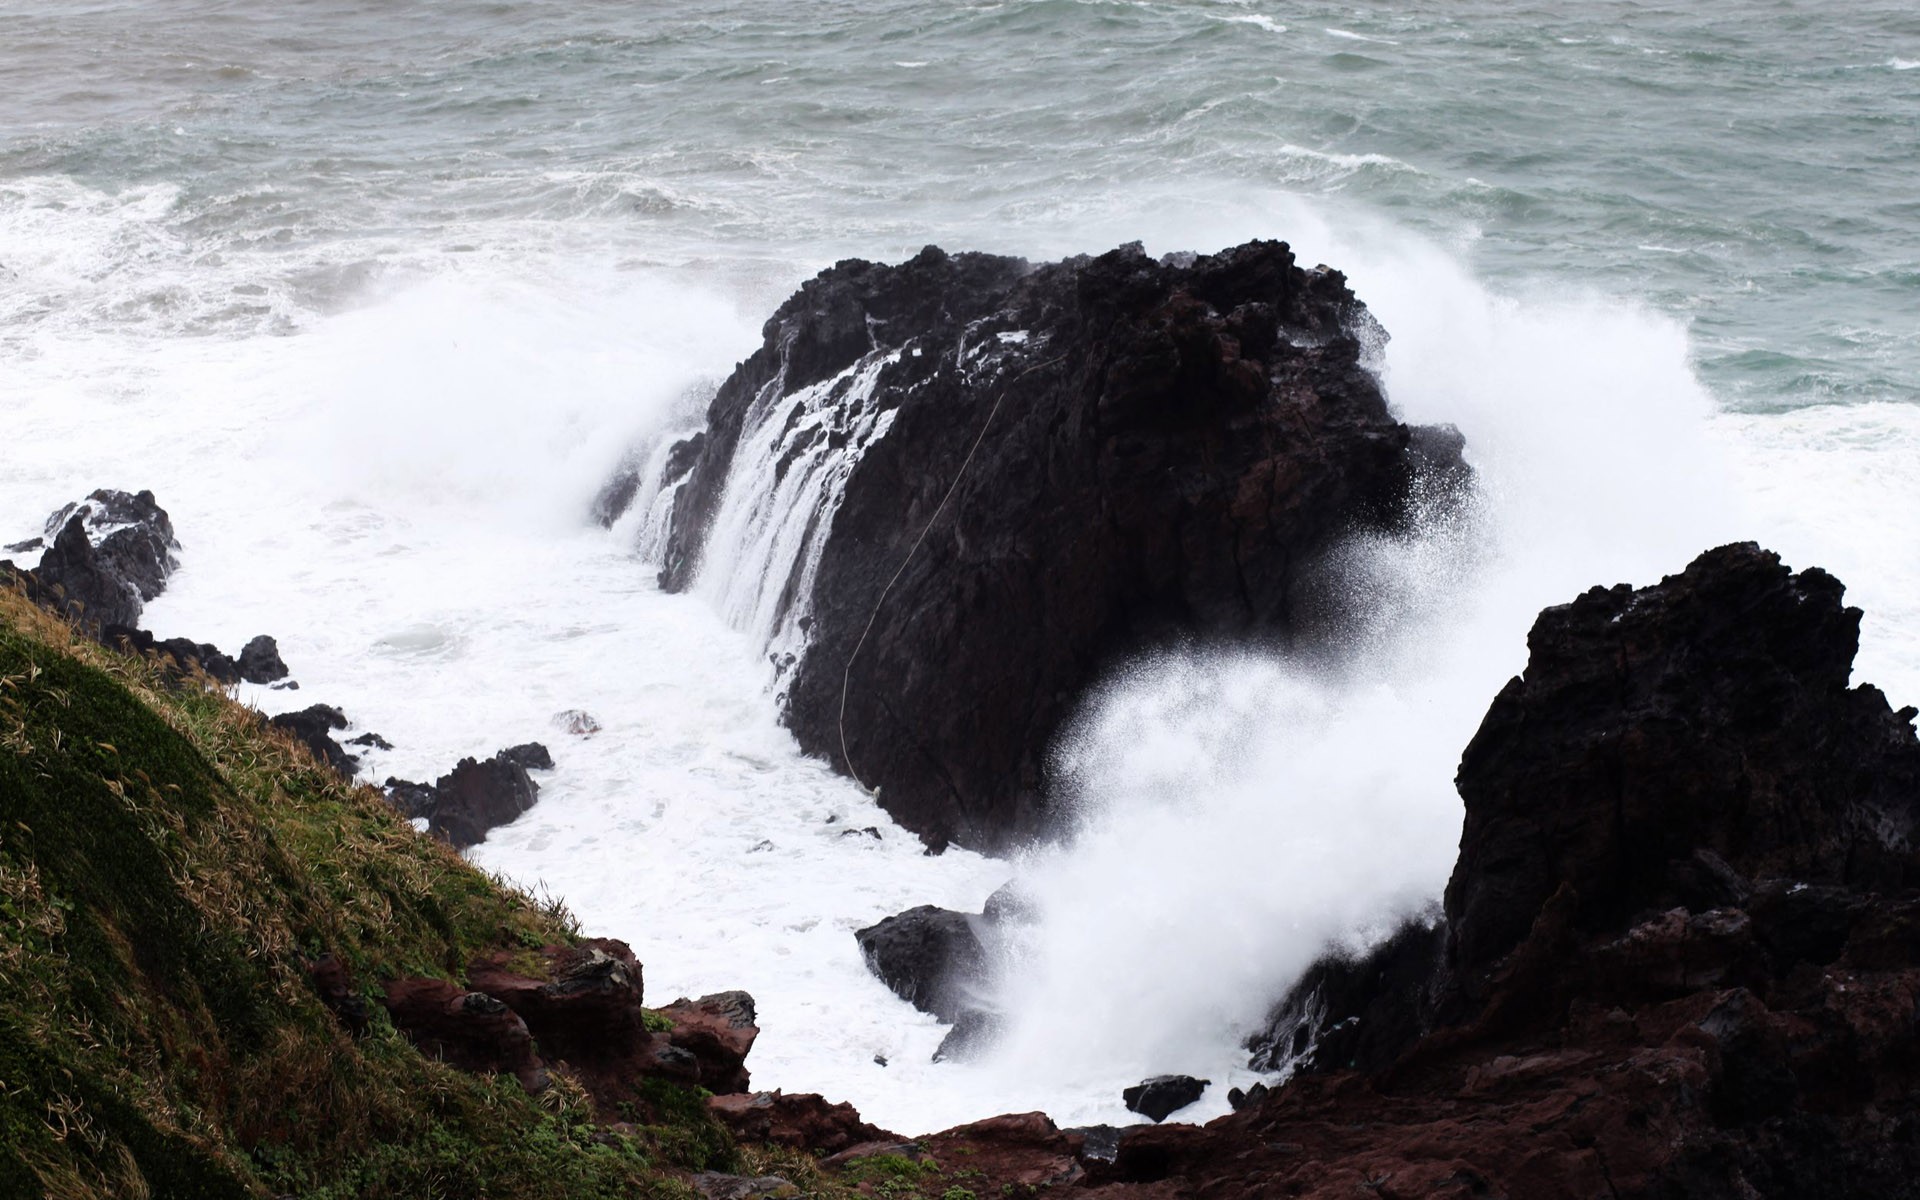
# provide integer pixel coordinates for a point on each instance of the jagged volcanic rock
(107, 556)
(1681, 948)
(1172, 445)
(718, 1031)
(476, 796)
(185, 652)
(798, 1121)
(313, 727)
(1666, 742)
(471, 1030)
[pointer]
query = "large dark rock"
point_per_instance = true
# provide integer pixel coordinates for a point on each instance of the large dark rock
(1355, 1012)
(1152, 450)
(108, 555)
(260, 661)
(477, 796)
(931, 957)
(1665, 744)
(1680, 953)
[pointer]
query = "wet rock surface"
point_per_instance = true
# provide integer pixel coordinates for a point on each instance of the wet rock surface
(1163, 1095)
(105, 557)
(476, 796)
(1174, 443)
(260, 661)
(931, 957)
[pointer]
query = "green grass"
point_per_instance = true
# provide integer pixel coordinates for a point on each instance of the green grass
(168, 867)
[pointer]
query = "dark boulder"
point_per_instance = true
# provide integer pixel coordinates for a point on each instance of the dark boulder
(260, 661)
(1084, 459)
(930, 957)
(313, 727)
(1667, 744)
(529, 756)
(476, 797)
(1355, 1011)
(1163, 1095)
(108, 555)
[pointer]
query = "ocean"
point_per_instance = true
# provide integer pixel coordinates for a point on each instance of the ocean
(375, 298)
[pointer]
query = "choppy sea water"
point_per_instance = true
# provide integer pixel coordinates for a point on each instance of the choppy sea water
(374, 298)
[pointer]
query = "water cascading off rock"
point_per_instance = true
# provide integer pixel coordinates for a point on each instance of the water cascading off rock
(949, 494)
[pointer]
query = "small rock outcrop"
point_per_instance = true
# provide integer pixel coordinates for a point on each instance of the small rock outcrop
(476, 796)
(800, 1121)
(1680, 952)
(471, 1030)
(1163, 1095)
(106, 557)
(931, 957)
(314, 727)
(1050, 467)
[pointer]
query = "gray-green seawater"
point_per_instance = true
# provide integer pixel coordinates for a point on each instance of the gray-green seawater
(1751, 167)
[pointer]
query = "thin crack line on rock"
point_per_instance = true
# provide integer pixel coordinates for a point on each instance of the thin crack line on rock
(846, 673)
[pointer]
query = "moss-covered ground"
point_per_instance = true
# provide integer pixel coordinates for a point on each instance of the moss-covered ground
(168, 867)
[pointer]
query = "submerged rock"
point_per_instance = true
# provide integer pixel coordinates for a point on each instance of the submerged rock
(1163, 1095)
(1044, 468)
(531, 756)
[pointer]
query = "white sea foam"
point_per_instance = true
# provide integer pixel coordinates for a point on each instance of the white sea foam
(1237, 812)
(396, 493)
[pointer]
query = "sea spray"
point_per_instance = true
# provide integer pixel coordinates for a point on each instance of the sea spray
(1240, 813)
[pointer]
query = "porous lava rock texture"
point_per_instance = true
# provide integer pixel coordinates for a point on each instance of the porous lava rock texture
(1138, 451)
(1680, 952)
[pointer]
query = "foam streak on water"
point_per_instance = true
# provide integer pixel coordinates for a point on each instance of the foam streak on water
(376, 299)
(787, 480)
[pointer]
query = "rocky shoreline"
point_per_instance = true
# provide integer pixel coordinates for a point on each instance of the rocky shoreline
(1679, 954)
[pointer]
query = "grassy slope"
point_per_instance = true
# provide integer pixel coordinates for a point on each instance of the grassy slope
(166, 868)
